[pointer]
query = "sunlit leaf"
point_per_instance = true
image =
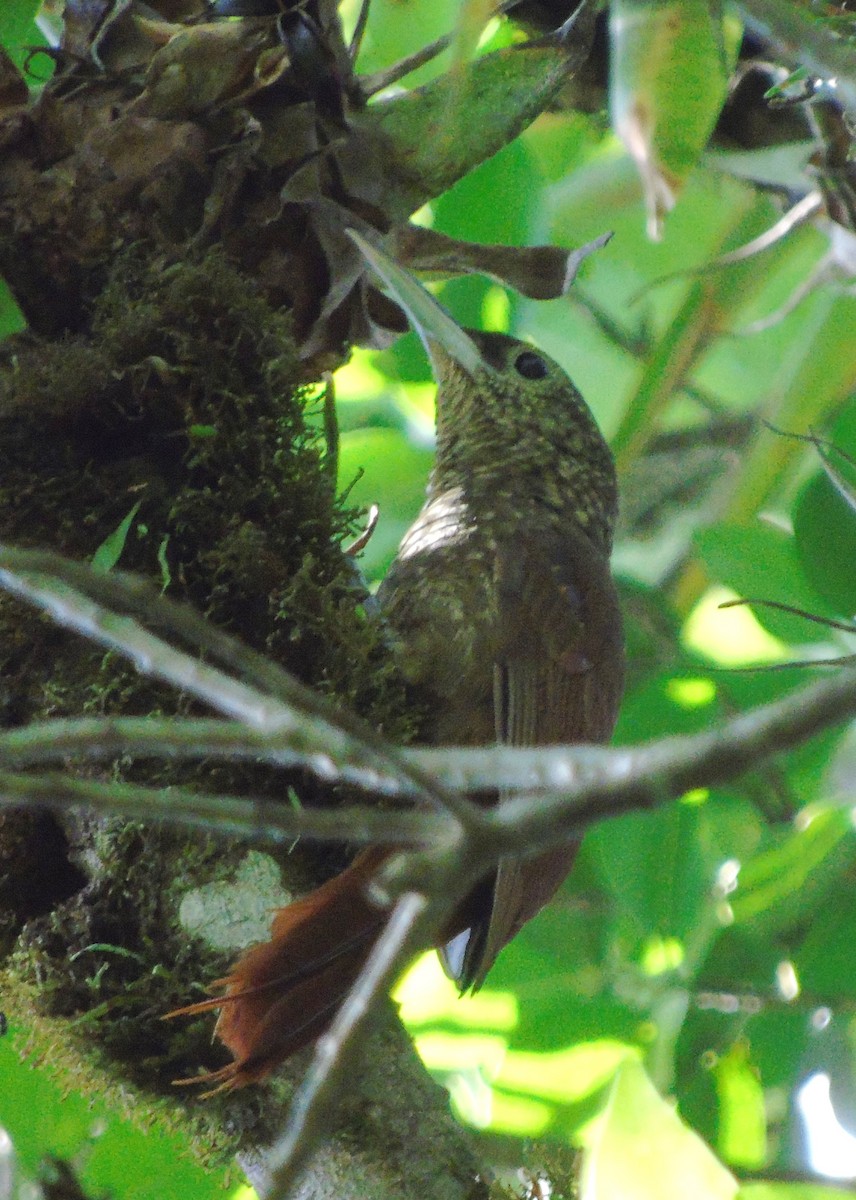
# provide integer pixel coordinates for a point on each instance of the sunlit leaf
(641, 1148)
(793, 1191)
(742, 1121)
(668, 78)
(761, 562)
(778, 881)
(42, 1117)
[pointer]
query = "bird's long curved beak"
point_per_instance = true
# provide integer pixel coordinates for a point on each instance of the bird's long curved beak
(431, 321)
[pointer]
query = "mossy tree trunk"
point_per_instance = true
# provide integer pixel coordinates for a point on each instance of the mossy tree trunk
(172, 216)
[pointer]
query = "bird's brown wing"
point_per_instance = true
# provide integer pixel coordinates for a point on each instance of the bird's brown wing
(558, 678)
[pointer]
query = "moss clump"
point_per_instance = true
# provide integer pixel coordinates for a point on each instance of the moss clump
(183, 405)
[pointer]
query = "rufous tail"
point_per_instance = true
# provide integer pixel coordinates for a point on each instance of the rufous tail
(282, 994)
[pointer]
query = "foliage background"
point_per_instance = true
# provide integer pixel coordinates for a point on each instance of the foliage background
(710, 941)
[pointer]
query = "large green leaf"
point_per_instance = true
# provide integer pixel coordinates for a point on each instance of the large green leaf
(642, 1149)
(824, 516)
(668, 78)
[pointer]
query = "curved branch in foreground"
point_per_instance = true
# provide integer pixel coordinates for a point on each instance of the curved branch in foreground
(110, 610)
(640, 777)
(628, 779)
(411, 923)
(806, 42)
(668, 766)
(241, 816)
(564, 788)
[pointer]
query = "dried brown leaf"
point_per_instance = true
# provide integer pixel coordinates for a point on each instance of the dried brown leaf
(540, 272)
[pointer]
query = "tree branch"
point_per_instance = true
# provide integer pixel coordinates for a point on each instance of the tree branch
(675, 763)
(262, 820)
(565, 788)
(805, 41)
(410, 926)
(95, 604)
(557, 792)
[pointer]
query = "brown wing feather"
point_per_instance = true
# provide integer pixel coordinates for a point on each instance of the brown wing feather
(558, 679)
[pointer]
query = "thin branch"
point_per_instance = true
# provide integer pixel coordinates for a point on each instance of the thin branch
(828, 622)
(182, 738)
(102, 738)
(259, 819)
(574, 785)
(274, 702)
(595, 773)
(152, 656)
(409, 928)
(638, 778)
(803, 40)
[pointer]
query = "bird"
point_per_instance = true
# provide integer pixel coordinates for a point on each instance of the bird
(505, 620)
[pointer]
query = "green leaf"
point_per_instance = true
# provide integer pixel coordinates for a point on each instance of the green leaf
(796, 868)
(825, 529)
(668, 80)
(642, 1149)
(816, 374)
(824, 962)
(110, 551)
(824, 518)
(761, 561)
(18, 31)
(436, 134)
(115, 1157)
(742, 1120)
(793, 1191)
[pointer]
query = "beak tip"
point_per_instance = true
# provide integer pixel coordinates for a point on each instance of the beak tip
(433, 324)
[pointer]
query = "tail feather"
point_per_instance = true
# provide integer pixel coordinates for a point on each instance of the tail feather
(281, 994)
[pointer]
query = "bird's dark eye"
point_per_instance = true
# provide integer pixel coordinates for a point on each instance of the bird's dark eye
(530, 365)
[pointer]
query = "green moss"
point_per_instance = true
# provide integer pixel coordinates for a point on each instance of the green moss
(207, 1129)
(253, 531)
(251, 526)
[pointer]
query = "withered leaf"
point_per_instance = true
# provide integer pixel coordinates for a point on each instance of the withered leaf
(205, 65)
(539, 272)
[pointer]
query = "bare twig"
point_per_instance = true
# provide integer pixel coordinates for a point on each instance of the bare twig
(273, 702)
(672, 765)
(569, 786)
(640, 777)
(409, 928)
(250, 817)
(183, 738)
(779, 606)
(359, 543)
(801, 39)
(101, 738)
(556, 792)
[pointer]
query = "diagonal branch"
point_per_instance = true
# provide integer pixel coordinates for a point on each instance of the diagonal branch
(560, 790)
(803, 39)
(274, 702)
(411, 926)
(596, 774)
(260, 820)
(556, 791)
